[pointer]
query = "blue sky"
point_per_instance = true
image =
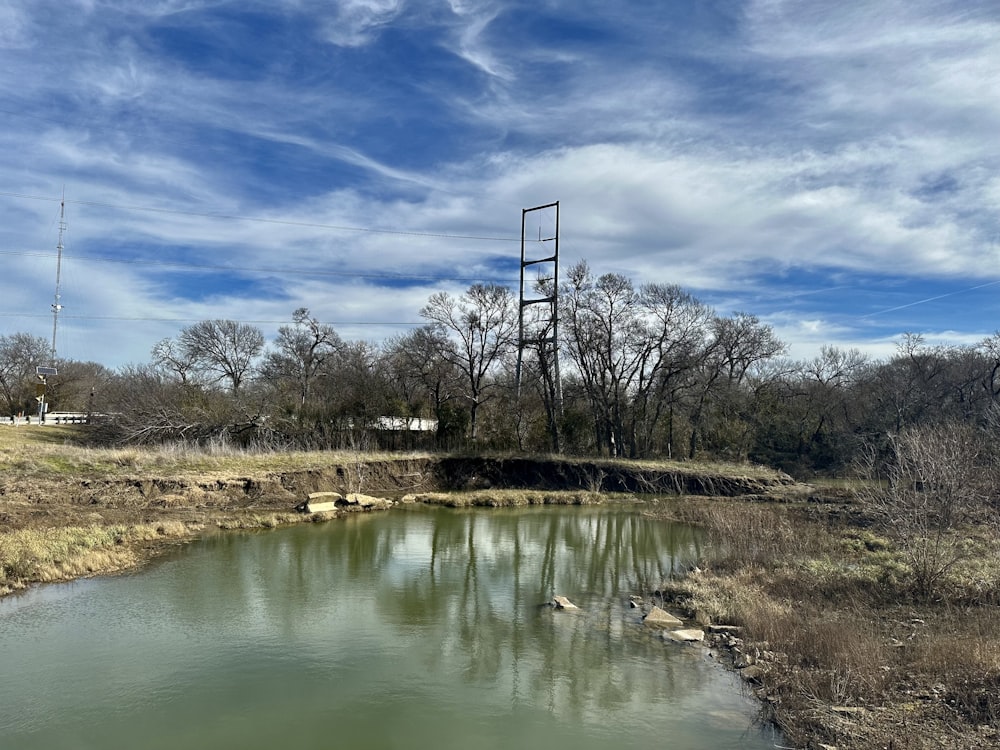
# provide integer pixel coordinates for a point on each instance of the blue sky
(830, 167)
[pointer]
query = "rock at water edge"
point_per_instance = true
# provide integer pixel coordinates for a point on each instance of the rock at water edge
(660, 619)
(366, 501)
(690, 635)
(326, 496)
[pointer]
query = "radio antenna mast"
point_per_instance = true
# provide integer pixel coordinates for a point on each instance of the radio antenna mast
(56, 306)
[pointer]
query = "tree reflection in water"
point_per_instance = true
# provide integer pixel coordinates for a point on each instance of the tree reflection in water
(475, 583)
(419, 627)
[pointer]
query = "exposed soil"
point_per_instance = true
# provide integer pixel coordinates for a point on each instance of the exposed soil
(48, 503)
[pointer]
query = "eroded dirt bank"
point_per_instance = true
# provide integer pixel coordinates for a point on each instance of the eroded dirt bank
(57, 527)
(35, 503)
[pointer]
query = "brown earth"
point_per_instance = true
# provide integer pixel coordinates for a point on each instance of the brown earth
(221, 499)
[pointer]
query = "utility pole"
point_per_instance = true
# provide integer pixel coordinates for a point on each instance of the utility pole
(56, 305)
(544, 327)
(44, 372)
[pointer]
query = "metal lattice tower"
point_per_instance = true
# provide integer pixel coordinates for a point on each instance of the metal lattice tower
(56, 305)
(540, 330)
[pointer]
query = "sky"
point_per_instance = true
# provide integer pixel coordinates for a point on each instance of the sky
(832, 168)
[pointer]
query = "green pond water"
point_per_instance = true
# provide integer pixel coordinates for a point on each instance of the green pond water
(417, 628)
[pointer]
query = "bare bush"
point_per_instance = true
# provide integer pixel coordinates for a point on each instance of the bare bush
(929, 483)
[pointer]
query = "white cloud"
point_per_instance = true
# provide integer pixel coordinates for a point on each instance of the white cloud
(859, 139)
(471, 45)
(356, 23)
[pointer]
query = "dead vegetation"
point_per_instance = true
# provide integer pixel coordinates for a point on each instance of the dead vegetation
(507, 498)
(847, 647)
(58, 554)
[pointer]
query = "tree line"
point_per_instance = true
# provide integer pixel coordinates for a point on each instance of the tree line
(645, 371)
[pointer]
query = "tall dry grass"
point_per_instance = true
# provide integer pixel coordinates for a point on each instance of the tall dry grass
(834, 607)
(57, 554)
(50, 452)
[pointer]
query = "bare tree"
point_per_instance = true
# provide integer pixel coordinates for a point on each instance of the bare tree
(301, 352)
(738, 344)
(482, 325)
(20, 353)
(636, 351)
(604, 330)
(677, 327)
(224, 348)
(79, 386)
(425, 380)
(170, 356)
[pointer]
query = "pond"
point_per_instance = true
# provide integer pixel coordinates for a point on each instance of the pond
(414, 628)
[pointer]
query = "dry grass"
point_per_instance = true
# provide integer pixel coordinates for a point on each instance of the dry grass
(832, 609)
(260, 520)
(743, 535)
(743, 469)
(59, 554)
(509, 498)
(49, 451)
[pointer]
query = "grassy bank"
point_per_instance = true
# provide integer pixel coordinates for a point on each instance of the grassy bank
(58, 554)
(67, 510)
(506, 498)
(841, 645)
(37, 452)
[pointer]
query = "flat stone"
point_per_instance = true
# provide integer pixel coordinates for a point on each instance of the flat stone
(365, 501)
(326, 496)
(561, 602)
(320, 507)
(687, 635)
(659, 619)
(321, 502)
(724, 628)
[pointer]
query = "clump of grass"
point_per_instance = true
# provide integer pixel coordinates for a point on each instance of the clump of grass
(958, 652)
(509, 498)
(744, 534)
(259, 521)
(56, 554)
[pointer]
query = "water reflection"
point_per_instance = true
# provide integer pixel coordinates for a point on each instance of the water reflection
(402, 629)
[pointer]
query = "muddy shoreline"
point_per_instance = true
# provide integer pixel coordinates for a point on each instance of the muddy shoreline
(144, 513)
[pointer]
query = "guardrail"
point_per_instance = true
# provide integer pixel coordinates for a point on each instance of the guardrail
(50, 418)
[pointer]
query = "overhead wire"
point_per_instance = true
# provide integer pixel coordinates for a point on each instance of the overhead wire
(157, 319)
(257, 269)
(244, 269)
(263, 220)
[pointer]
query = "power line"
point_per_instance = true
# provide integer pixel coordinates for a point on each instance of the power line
(257, 219)
(153, 319)
(259, 269)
